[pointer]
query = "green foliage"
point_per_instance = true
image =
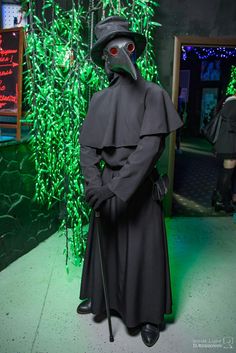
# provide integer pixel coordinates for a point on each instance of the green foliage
(59, 81)
(231, 88)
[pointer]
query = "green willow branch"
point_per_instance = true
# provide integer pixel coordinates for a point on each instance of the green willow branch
(58, 82)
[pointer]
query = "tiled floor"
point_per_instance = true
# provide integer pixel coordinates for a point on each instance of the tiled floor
(38, 299)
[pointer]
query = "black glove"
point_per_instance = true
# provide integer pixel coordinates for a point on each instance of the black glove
(96, 195)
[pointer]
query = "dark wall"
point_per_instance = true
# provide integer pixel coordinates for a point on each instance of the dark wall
(208, 18)
(23, 222)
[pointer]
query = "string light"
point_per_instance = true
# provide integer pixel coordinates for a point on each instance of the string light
(204, 53)
(57, 84)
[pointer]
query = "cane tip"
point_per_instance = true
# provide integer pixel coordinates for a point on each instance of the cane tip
(111, 339)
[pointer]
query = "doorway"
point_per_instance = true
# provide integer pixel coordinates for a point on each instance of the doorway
(203, 69)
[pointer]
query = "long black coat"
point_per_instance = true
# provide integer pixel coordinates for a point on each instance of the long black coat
(126, 127)
(225, 145)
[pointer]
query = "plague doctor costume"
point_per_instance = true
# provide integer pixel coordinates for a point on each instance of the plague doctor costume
(126, 126)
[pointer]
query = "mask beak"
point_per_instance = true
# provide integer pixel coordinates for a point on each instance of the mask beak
(124, 63)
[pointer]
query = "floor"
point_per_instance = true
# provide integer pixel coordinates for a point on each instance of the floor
(38, 299)
(195, 178)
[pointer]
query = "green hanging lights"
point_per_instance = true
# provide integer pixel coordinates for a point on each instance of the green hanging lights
(58, 82)
(231, 88)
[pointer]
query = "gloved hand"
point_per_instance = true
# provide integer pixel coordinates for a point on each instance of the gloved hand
(95, 196)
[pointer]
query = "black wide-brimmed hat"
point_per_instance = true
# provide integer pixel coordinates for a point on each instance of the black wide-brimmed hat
(110, 28)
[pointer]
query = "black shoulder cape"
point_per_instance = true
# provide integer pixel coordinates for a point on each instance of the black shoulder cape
(127, 110)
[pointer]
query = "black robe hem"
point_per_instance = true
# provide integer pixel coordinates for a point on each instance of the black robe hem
(129, 323)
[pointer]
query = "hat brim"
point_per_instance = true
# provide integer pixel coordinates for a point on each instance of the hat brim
(97, 49)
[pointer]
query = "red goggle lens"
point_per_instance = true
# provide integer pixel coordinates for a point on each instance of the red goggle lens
(113, 51)
(131, 47)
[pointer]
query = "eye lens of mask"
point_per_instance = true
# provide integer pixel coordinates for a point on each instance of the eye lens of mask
(130, 47)
(113, 51)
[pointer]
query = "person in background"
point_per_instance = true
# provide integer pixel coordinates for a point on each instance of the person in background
(182, 112)
(225, 148)
(234, 188)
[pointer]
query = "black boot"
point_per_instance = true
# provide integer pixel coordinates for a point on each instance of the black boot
(234, 186)
(215, 198)
(225, 189)
(219, 205)
(84, 307)
(150, 334)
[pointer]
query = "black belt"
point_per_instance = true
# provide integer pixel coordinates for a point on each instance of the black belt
(113, 167)
(154, 173)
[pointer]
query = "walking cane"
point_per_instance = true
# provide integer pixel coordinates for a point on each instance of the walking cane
(97, 215)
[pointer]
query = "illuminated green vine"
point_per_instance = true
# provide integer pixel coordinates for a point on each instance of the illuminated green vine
(59, 80)
(231, 88)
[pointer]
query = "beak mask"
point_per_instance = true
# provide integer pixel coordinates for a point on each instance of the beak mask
(119, 55)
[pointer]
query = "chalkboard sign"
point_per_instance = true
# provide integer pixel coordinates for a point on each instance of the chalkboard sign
(11, 54)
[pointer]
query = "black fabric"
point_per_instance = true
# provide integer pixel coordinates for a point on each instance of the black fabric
(110, 28)
(234, 182)
(126, 127)
(137, 167)
(212, 129)
(229, 113)
(225, 145)
(219, 173)
(225, 184)
(134, 240)
(89, 161)
(120, 114)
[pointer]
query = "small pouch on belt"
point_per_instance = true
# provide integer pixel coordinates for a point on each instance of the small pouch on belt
(160, 187)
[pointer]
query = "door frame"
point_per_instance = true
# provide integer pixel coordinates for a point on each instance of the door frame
(179, 41)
